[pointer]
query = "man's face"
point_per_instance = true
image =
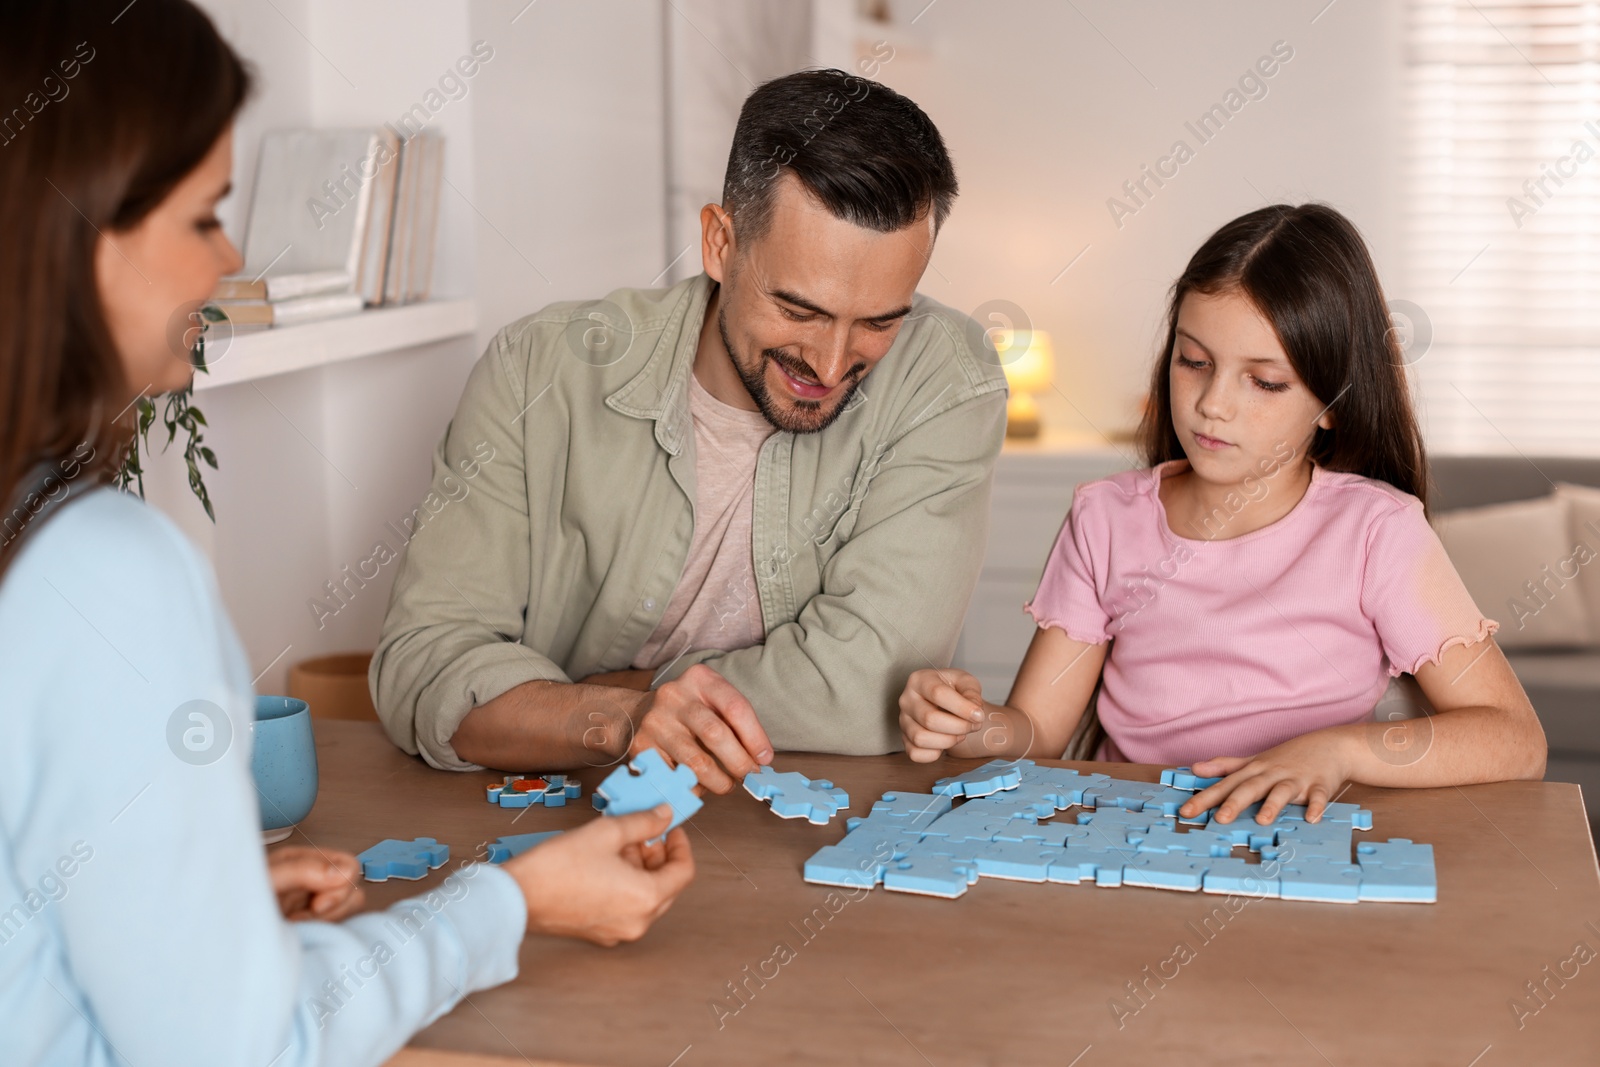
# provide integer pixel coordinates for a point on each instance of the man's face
(809, 308)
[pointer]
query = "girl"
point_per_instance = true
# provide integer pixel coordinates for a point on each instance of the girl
(1242, 605)
(137, 917)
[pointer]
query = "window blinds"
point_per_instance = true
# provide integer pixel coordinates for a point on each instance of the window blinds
(1502, 223)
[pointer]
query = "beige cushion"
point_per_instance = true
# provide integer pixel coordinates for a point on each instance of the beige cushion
(1584, 522)
(1517, 561)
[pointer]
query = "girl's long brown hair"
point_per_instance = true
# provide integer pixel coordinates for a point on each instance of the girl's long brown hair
(1307, 270)
(109, 105)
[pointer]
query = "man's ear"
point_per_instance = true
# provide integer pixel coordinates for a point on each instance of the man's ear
(716, 242)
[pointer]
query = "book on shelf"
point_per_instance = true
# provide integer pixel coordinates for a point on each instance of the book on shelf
(290, 312)
(352, 211)
(282, 286)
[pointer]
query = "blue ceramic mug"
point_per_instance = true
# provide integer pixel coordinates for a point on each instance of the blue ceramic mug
(283, 761)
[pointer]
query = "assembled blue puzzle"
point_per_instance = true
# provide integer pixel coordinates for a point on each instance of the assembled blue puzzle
(392, 858)
(794, 796)
(985, 823)
(646, 782)
(526, 790)
(503, 848)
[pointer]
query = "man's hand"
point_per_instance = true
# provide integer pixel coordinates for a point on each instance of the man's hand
(603, 882)
(1308, 770)
(313, 884)
(701, 720)
(938, 709)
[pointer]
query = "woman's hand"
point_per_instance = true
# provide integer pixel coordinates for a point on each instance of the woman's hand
(602, 882)
(1309, 770)
(938, 709)
(313, 884)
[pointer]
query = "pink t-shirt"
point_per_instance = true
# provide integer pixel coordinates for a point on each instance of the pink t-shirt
(1229, 647)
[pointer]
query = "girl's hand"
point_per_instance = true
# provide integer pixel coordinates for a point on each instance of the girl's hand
(313, 884)
(938, 709)
(602, 882)
(1308, 770)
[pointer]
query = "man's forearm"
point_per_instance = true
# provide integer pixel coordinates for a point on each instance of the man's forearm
(554, 726)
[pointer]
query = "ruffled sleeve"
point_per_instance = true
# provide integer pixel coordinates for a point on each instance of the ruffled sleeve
(1411, 593)
(1068, 596)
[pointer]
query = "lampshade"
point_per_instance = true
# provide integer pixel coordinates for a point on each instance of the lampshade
(1027, 357)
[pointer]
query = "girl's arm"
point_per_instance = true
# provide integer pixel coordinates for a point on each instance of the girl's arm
(944, 710)
(1483, 729)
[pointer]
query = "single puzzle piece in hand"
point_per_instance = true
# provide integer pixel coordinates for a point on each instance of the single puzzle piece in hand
(526, 790)
(645, 783)
(392, 858)
(503, 848)
(794, 796)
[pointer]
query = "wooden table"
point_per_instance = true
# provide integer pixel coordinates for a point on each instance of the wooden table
(1014, 972)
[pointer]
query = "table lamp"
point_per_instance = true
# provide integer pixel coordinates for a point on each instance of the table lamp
(1029, 363)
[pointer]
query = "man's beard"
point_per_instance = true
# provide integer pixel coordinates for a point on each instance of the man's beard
(801, 416)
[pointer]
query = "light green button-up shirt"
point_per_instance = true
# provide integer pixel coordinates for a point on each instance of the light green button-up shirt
(555, 557)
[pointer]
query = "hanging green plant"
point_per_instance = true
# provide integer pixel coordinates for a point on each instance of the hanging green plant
(179, 413)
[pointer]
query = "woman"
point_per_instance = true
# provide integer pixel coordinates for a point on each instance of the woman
(138, 921)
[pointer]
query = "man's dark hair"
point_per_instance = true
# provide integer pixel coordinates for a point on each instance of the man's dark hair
(869, 154)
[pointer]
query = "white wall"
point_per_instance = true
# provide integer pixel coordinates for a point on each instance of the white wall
(569, 166)
(1047, 112)
(314, 463)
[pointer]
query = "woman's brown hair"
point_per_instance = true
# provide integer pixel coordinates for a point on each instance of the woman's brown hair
(106, 107)
(1308, 272)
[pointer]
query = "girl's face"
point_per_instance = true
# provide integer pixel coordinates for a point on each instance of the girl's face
(1238, 406)
(154, 274)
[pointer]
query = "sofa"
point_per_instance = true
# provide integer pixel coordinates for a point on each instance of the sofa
(1563, 683)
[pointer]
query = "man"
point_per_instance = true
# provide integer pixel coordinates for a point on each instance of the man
(739, 512)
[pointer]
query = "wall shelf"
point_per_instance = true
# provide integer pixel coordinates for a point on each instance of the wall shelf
(264, 353)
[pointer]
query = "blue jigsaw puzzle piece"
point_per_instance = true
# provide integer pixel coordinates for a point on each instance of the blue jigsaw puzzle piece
(1352, 815)
(1055, 834)
(916, 809)
(1164, 836)
(1240, 878)
(992, 777)
(930, 874)
(647, 782)
(1397, 871)
(1304, 840)
(1396, 852)
(1166, 870)
(503, 848)
(392, 858)
(794, 796)
(1326, 881)
(1020, 861)
(1079, 862)
(1185, 779)
(1119, 826)
(1135, 796)
(833, 865)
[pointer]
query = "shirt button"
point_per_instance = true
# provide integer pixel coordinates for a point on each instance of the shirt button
(649, 603)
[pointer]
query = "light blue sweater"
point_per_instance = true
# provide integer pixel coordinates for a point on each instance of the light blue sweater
(137, 922)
